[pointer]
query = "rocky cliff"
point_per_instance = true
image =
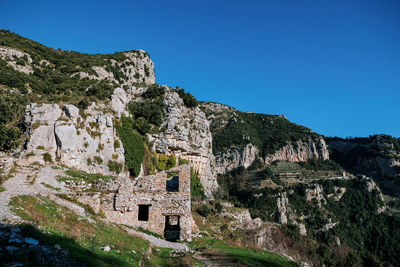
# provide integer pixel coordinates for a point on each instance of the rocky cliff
(85, 142)
(240, 138)
(186, 133)
(377, 156)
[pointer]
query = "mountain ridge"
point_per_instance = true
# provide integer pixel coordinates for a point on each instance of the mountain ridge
(256, 180)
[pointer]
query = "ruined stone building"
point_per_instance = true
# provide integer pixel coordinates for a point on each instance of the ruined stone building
(159, 203)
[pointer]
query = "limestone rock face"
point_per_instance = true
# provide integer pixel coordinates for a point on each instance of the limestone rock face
(232, 157)
(39, 120)
(137, 69)
(11, 55)
(85, 144)
(244, 156)
(241, 219)
(316, 193)
(282, 203)
(300, 151)
(235, 157)
(72, 112)
(141, 64)
(186, 133)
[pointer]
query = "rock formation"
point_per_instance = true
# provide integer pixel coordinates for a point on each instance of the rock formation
(84, 143)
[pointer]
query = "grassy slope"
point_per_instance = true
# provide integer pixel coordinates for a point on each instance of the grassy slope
(83, 239)
(248, 256)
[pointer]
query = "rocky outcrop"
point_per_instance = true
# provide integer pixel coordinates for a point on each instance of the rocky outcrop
(241, 219)
(300, 151)
(185, 132)
(292, 152)
(315, 193)
(137, 68)
(85, 144)
(282, 207)
(376, 156)
(18, 60)
(235, 157)
(232, 156)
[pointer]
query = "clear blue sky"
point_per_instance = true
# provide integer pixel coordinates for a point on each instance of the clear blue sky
(333, 66)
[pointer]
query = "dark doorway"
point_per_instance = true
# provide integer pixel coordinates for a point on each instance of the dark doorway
(172, 228)
(143, 213)
(173, 184)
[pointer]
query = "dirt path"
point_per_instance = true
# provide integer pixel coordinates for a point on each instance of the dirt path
(28, 181)
(158, 242)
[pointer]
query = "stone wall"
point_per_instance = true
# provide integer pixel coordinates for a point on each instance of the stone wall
(122, 207)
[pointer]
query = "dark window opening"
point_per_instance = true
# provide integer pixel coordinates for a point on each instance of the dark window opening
(143, 213)
(172, 228)
(173, 184)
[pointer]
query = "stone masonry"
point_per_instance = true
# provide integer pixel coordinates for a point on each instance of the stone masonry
(159, 203)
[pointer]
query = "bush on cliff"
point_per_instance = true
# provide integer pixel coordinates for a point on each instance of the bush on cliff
(133, 145)
(196, 188)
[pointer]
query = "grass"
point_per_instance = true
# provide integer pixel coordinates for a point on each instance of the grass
(51, 187)
(247, 256)
(74, 175)
(84, 240)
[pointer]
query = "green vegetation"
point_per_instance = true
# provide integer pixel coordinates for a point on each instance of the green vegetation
(203, 210)
(12, 106)
(267, 132)
(133, 145)
(82, 239)
(196, 188)
(372, 149)
(114, 166)
(98, 160)
(9, 137)
(246, 256)
(147, 114)
(74, 175)
(51, 187)
(163, 162)
(188, 100)
(47, 157)
(320, 165)
(55, 79)
(182, 161)
(117, 144)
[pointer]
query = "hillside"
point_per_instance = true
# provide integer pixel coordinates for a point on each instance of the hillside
(95, 154)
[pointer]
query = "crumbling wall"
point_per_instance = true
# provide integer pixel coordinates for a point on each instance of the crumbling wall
(122, 207)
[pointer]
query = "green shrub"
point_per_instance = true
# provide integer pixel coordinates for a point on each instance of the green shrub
(117, 144)
(204, 210)
(196, 188)
(114, 166)
(163, 162)
(256, 164)
(154, 91)
(182, 161)
(47, 157)
(149, 110)
(133, 145)
(268, 173)
(218, 207)
(187, 98)
(98, 160)
(9, 137)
